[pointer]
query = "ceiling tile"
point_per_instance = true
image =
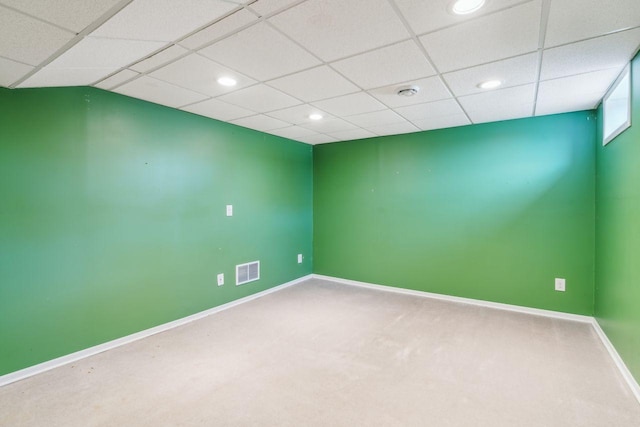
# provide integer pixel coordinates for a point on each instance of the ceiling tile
(267, 7)
(293, 132)
(329, 125)
(164, 20)
(383, 117)
(317, 139)
(348, 105)
(116, 80)
(581, 92)
(154, 90)
(260, 52)
(441, 122)
(501, 35)
(218, 110)
(431, 89)
(160, 58)
(447, 107)
(424, 16)
(333, 29)
(260, 98)
(260, 122)
(503, 104)
(601, 53)
(572, 20)
(296, 115)
(388, 65)
(393, 129)
(72, 14)
(51, 76)
(312, 85)
(348, 135)
(11, 71)
(200, 74)
(512, 72)
(219, 29)
(28, 40)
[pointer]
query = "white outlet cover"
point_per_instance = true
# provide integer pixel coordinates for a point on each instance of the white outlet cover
(229, 210)
(220, 279)
(299, 258)
(560, 284)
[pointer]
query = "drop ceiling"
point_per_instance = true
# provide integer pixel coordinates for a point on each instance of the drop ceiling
(343, 59)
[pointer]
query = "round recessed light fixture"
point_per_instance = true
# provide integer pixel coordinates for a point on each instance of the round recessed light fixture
(464, 7)
(315, 116)
(490, 84)
(408, 91)
(227, 81)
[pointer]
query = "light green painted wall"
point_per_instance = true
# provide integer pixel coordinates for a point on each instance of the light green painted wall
(112, 217)
(617, 303)
(493, 212)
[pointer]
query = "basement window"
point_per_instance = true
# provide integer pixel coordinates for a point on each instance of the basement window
(616, 107)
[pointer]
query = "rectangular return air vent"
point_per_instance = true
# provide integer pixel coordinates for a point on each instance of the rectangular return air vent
(248, 272)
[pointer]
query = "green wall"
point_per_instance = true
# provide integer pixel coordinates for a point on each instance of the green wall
(112, 217)
(618, 235)
(493, 211)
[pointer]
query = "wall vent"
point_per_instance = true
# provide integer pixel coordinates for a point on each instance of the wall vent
(248, 272)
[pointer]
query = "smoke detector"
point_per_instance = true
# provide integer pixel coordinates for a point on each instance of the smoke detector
(408, 91)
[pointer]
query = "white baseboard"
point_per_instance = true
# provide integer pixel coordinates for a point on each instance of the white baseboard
(622, 367)
(73, 357)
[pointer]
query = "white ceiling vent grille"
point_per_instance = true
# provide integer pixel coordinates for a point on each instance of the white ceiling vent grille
(248, 272)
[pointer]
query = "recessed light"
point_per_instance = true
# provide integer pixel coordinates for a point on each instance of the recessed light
(227, 81)
(490, 84)
(464, 7)
(315, 116)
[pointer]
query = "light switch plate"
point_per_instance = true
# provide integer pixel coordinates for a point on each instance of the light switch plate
(299, 258)
(220, 279)
(560, 284)
(229, 210)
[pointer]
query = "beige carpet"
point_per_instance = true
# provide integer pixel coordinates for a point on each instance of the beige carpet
(324, 354)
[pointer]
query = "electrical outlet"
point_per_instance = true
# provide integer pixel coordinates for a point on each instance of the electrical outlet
(229, 210)
(560, 284)
(299, 258)
(220, 279)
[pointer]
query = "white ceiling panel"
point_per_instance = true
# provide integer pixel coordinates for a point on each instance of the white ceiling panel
(28, 40)
(440, 122)
(315, 84)
(329, 125)
(200, 74)
(218, 110)
(334, 29)
(219, 29)
(348, 105)
(293, 132)
(431, 89)
(349, 135)
(489, 38)
(11, 71)
(260, 52)
(260, 122)
(267, 7)
(385, 66)
(74, 15)
(298, 114)
(162, 20)
(393, 129)
(317, 139)
(581, 92)
(447, 107)
(260, 98)
(511, 72)
(154, 90)
(116, 79)
(160, 58)
(424, 16)
(51, 77)
(600, 53)
(509, 103)
(573, 20)
(383, 117)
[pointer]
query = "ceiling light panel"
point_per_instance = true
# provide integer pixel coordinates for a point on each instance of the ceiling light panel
(74, 15)
(501, 35)
(312, 85)
(218, 110)
(160, 92)
(163, 20)
(219, 29)
(160, 58)
(424, 16)
(11, 71)
(28, 40)
(512, 72)
(296, 115)
(51, 76)
(447, 107)
(388, 65)
(601, 53)
(200, 74)
(261, 53)
(348, 105)
(503, 104)
(260, 122)
(333, 29)
(441, 122)
(260, 98)
(431, 89)
(117, 79)
(573, 20)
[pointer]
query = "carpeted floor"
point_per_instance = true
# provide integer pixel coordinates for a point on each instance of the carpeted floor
(325, 354)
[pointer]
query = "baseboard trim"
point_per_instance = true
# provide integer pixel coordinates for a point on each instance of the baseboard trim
(91, 351)
(622, 367)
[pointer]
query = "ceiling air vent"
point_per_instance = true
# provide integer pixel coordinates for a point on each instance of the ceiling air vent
(248, 272)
